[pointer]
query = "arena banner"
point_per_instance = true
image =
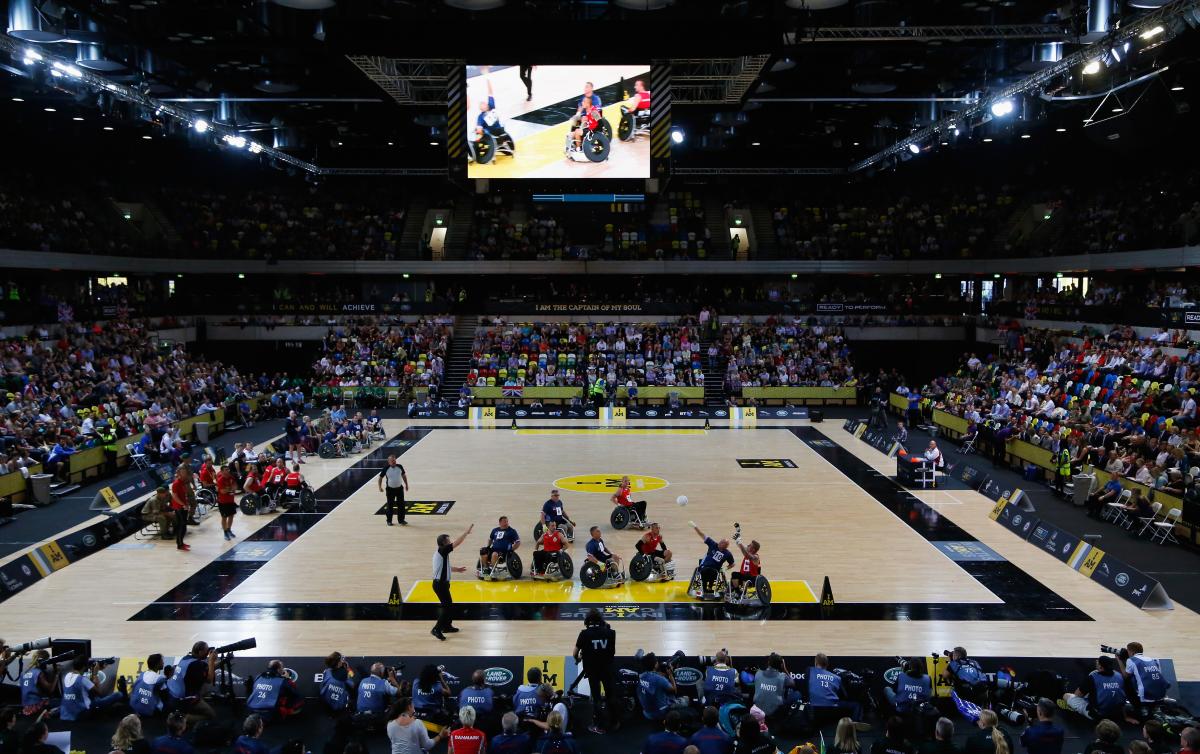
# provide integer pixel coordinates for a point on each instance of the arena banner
(1050, 538)
(1120, 578)
(1020, 522)
(505, 414)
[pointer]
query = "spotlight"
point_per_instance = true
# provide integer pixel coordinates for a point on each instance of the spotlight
(1024, 136)
(677, 136)
(201, 125)
(914, 149)
(1152, 33)
(1002, 108)
(1177, 88)
(241, 276)
(405, 276)
(987, 140)
(76, 118)
(18, 99)
(50, 109)
(147, 137)
(937, 276)
(235, 141)
(32, 55)
(1091, 68)
(756, 143)
(107, 128)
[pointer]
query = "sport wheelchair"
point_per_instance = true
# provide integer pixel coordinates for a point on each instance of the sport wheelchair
(487, 146)
(633, 123)
(643, 567)
(331, 449)
(561, 568)
(508, 567)
(303, 498)
(567, 528)
(625, 517)
(592, 577)
(756, 593)
(593, 147)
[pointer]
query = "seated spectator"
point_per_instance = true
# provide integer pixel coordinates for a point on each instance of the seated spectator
(248, 742)
(173, 742)
(710, 739)
(129, 738)
(845, 738)
(1157, 738)
(989, 738)
(557, 740)
(511, 740)
(1043, 736)
(468, 739)
(894, 740)
(1108, 737)
(943, 739)
(668, 740)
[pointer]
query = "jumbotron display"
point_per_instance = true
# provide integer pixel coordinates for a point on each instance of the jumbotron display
(558, 121)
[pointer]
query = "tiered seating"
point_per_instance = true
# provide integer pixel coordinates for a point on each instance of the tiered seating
(784, 354)
(373, 356)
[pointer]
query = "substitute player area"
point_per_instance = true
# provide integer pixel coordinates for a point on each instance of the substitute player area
(812, 522)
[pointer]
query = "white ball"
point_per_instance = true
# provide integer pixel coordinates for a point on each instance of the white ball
(681, 500)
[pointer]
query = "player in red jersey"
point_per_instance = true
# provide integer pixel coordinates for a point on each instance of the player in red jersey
(553, 542)
(226, 505)
(641, 97)
(621, 497)
(587, 114)
(751, 566)
(652, 544)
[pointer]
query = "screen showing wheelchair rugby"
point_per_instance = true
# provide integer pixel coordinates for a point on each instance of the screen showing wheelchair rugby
(558, 121)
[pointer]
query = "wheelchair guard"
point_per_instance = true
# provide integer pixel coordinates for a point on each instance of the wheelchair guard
(302, 497)
(594, 146)
(755, 593)
(592, 577)
(562, 570)
(508, 567)
(696, 587)
(250, 503)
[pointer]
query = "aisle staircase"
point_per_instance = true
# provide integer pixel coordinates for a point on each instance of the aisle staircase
(763, 232)
(414, 223)
(458, 361)
(714, 377)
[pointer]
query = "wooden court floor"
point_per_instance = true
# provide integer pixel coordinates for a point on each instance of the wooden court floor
(812, 519)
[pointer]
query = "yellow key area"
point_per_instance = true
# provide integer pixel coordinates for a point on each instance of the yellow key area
(561, 592)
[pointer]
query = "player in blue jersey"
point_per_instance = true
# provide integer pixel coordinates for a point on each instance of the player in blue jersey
(488, 121)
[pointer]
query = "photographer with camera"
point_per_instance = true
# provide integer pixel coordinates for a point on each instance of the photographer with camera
(595, 648)
(1043, 736)
(480, 697)
(374, 691)
(39, 685)
(965, 675)
(80, 695)
(773, 687)
(912, 689)
(149, 693)
(274, 695)
(548, 705)
(1101, 694)
(525, 700)
(825, 693)
(186, 685)
(430, 693)
(1144, 681)
(656, 689)
(721, 685)
(337, 683)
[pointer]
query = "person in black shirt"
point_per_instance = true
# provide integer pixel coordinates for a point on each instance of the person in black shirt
(595, 647)
(1108, 739)
(9, 742)
(1154, 733)
(893, 741)
(441, 582)
(943, 739)
(1043, 736)
(35, 740)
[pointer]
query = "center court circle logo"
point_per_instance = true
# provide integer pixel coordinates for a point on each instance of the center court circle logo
(608, 483)
(497, 676)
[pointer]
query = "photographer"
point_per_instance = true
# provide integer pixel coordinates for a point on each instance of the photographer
(771, 686)
(656, 691)
(825, 692)
(429, 694)
(1043, 736)
(547, 708)
(964, 675)
(480, 697)
(79, 691)
(39, 685)
(375, 690)
(149, 694)
(525, 700)
(721, 684)
(1101, 694)
(187, 682)
(1144, 681)
(274, 695)
(337, 683)
(594, 648)
(912, 689)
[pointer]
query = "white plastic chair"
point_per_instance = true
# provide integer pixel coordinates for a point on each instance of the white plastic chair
(139, 460)
(1146, 522)
(1115, 510)
(1164, 531)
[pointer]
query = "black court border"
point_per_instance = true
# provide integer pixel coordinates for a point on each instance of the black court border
(1024, 598)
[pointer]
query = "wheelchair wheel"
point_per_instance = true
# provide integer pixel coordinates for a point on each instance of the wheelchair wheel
(640, 567)
(762, 588)
(625, 127)
(327, 450)
(595, 146)
(568, 531)
(515, 566)
(485, 148)
(206, 496)
(619, 518)
(591, 576)
(605, 128)
(249, 504)
(537, 532)
(566, 566)
(308, 501)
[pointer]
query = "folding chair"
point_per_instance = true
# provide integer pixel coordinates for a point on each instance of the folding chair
(139, 460)
(1147, 522)
(1114, 512)
(968, 446)
(1164, 531)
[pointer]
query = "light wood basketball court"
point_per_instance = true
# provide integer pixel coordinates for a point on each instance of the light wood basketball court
(812, 520)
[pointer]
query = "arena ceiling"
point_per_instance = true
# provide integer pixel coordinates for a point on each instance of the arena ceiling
(822, 82)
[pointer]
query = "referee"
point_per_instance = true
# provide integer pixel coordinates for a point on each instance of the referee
(441, 582)
(397, 483)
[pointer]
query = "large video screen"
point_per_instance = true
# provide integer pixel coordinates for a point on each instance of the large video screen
(558, 121)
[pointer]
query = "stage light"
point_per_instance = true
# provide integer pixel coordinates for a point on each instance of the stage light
(201, 125)
(1092, 68)
(76, 118)
(107, 128)
(235, 141)
(434, 143)
(391, 144)
(677, 136)
(147, 137)
(937, 276)
(1060, 130)
(1002, 108)
(1152, 33)
(241, 276)
(795, 276)
(1118, 109)
(1177, 88)
(914, 149)
(756, 143)
(50, 109)
(405, 276)
(856, 143)
(996, 275)
(1024, 136)
(987, 140)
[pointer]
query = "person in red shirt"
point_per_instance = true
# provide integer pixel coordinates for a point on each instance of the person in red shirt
(180, 487)
(207, 474)
(751, 565)
(294, 479)
(551, 545)
(621, 497)
(467, 739)
(252, 483)
(652, 544)
(226, 505)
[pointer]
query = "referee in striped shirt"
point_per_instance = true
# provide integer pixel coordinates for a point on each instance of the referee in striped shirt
(441, 582)
(397, 483)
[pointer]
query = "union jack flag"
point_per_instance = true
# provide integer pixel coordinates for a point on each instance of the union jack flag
(513, 391)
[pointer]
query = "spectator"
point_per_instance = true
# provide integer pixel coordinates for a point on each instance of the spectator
(1108, 737)
(248, 742)
(173, 741)
(407, 733)
(894, 741)
(1189, 741)
(511, 740)
(468, 739)
(557, 740)
(668, 740)
(943, 739)
(1043, 736)
(1157, 737)
(845, 739)
(710, 739)
(990, 738)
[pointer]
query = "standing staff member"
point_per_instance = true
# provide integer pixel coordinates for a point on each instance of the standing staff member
(397, 483)
(596, 647)
(526, 73)
(181, 487)
(441, 580)
(226, 505)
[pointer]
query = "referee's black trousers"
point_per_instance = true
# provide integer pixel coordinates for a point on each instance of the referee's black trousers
(395, 503)
(442, 590)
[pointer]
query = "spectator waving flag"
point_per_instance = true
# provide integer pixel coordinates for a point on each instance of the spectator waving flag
(513, 391)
